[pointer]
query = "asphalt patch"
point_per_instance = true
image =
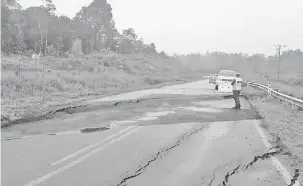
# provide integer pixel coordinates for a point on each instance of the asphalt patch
(186, 116)
(130, 106)
(158, 100)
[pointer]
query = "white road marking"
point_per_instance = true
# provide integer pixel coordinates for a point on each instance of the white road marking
(275, 161)
(91, 146)
(41, 135)
(79, 160)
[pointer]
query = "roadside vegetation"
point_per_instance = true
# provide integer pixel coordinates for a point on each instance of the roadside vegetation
(25, 92)
(50, 61)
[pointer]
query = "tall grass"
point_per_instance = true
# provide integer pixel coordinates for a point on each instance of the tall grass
(64, 80)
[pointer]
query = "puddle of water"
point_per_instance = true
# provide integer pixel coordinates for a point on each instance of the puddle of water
(154, 115)
(148, 117)
(196, 109)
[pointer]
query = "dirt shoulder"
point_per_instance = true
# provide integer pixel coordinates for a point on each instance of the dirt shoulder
(283, 122)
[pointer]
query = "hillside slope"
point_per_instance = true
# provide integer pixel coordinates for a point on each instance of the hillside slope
(73, 79)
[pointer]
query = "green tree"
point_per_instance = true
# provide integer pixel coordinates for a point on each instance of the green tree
(150, 49)
(40, 30)
(8, 25)
(128, 41)
(38, 19)
(98, 17)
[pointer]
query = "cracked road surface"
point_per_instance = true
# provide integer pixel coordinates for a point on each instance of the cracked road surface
(192, 138)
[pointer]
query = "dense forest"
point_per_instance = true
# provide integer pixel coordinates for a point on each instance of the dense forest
(39, 30)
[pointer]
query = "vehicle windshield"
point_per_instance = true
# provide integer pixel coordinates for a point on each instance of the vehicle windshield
(227, 73)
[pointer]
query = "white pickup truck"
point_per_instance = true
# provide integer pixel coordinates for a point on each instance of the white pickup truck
(224, 79)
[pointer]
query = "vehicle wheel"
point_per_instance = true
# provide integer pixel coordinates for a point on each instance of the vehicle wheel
(216, 87)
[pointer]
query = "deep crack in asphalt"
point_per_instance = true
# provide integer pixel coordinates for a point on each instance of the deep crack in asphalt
(295, 177)
(159, 155)
(134, 101)
(245, 167)
(213, 178)
(96, 129)
(264, 156)
(230, 174)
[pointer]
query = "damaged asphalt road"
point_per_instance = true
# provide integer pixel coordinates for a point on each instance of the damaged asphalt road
(159, 139)
(159, 155)
(84, 107)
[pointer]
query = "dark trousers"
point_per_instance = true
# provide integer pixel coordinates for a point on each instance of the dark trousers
(236, 94)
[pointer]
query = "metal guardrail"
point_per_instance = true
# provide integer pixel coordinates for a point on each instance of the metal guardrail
(292, 100)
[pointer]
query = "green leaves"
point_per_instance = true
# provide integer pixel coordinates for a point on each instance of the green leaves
(40, 30)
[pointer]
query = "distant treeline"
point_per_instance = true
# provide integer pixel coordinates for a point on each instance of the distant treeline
(39, 30)
(290, 61)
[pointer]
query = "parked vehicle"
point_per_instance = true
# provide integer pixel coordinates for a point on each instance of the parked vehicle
(224, 79)
(212, 78)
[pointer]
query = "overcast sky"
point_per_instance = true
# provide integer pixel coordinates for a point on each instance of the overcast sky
(178, 26)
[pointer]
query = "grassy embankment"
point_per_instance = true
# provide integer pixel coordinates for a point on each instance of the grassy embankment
(79, 78)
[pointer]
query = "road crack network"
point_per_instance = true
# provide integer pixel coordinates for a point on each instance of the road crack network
(295, 177)
(213, 178)
(262, 157)
(230, 174)
(159, 155)
(267, 155)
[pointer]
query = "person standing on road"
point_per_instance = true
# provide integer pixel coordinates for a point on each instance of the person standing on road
(237, 86)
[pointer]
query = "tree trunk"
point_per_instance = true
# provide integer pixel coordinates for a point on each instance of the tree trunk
(8, 47)
(41, 40)
(35, 46)
(46, 38)
(43, 82)
(91, 44)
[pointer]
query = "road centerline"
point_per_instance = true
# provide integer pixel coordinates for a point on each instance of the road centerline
(108, 139)
(79, 160)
